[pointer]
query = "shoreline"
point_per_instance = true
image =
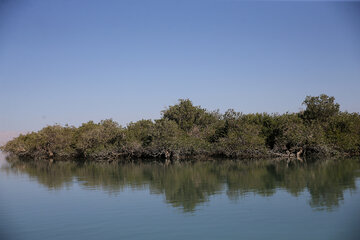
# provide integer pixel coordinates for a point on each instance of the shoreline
(10, 157)
(188, 131)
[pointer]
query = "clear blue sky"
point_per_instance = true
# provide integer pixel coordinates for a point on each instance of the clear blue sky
(74, 61)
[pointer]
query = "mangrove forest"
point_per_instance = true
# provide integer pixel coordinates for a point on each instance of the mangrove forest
(187, 131)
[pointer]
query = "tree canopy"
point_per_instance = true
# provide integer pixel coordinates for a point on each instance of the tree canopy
(320, 108)
(185, 130)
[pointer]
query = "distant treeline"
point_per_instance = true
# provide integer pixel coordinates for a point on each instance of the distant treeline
(186, 131)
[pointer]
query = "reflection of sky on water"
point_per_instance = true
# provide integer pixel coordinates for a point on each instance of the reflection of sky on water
(32, 210)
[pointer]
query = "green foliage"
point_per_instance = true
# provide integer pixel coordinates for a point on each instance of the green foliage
(239, 136)
(186, 130)
(166, 135)
(291, 133)
(343, 132)
(320, 108)
(50, 141)
(141, 132)
(187, 116)
(98, 140)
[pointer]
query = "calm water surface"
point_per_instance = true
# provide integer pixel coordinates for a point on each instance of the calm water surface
(199, 200)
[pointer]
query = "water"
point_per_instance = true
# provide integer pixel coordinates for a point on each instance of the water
(199, 200)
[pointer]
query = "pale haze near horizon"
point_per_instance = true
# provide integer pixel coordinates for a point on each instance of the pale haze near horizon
(75, 61)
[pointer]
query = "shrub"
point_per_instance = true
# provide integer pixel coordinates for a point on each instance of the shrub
(187, 130)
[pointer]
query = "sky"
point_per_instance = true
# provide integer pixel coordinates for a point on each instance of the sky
(69, 62)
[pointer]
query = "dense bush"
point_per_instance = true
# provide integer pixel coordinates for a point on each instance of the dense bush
(186, 130)
(320, 108)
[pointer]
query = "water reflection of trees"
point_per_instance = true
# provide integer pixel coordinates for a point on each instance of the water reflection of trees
(187, 185)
